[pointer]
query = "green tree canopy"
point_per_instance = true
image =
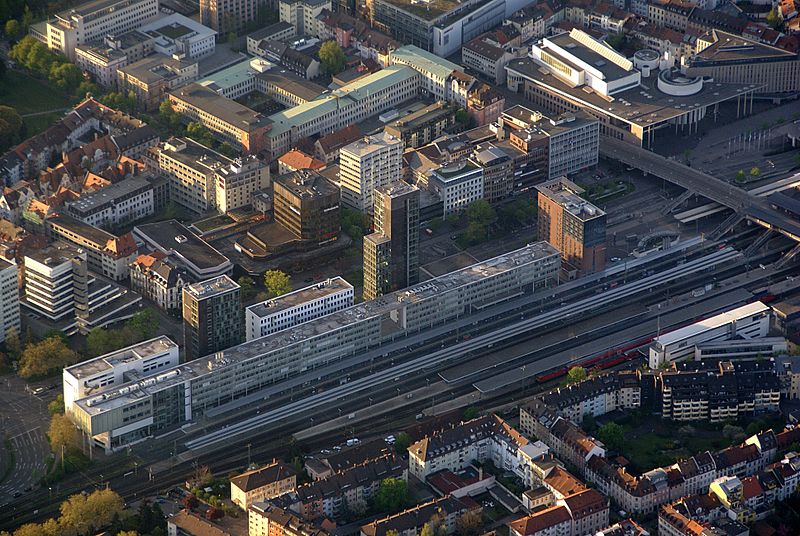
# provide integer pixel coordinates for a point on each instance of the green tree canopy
(62, 433)
(42, 358)
(200, 134)
(612, 435)
(481, 212)
(401, 443)
(331, 57)
(13, 28)
(12, 128)
(277, 282)
(392, 496)
(248, 288)
(774, 18)
(576, 375)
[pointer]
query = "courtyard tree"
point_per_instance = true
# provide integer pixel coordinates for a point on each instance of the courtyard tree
(331, 57)
(277, 282)
(392, 495)
(576, 375)
(42, 358)
(470, 523)
(12, 127)
(612, 435)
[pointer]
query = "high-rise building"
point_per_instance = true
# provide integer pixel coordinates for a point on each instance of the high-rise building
(57, 282)
(391, 253)
(366, 164)
(9, 299)
(212, 316)
(226, 16)
(572, 225)
(302, 14)
(307, 205)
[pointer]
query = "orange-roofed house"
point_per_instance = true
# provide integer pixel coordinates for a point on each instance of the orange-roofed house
(554, 521)
(295, 160)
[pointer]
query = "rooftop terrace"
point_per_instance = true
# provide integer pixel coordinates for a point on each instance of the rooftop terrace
(136, 352)
(303, 295)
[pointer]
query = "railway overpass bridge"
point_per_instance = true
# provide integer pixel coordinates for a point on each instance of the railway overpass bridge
(743, 203)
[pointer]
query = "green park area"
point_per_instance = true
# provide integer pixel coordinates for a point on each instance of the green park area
(28, 95)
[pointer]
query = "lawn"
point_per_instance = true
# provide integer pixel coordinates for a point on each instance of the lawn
(29, 95)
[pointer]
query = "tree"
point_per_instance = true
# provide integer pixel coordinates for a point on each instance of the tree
(774, 19)
(200, 134)
(475, 234)
(248, 287)
(612, 435)
(434, 527)
(740, 176)
(481, 212)
(753, 428)
(755, 171)
(56, 407)
(589, 424)
(143, 325)
(129, 532)
(576, 375)
(616, 41)
(84, 514)
(42, 358)
(102, 341)
(392, 496)
(12, 29)
(401, 443)
(277, 283)
(228, 150)
(470, 413)
(470, 523)
(463, 118)
(733, 432)
(11, 127)
(331, 57)
(62, 434)
(65, 76)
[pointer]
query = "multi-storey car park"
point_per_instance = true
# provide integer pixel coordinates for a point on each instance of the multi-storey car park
(135, 410)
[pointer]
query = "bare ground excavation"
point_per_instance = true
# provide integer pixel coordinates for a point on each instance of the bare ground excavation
(651, 442)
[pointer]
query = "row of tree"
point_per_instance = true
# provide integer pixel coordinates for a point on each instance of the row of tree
(37, 58)
(172, 123)
(142, 326)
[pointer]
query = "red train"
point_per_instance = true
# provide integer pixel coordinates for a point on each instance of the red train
(607, 359)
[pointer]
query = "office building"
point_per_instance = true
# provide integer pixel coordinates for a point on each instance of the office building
(177, 35)
(158, 279)
(101, 62)
(498, 171)
(571, 141)
(114, 205)
(184, 249)
(440, 27)
(212, 316)
(424, 125)
(93, 20)
(93, 376)
(225, 118)
(67, 297)
(202, 179)
(573, 225)
(391, 253)
(226, 16)
(9, 299)
(350, 104)
(279, 31)
(749, 321)
(485, 55)
(152, 78)
(296, 307)
(366, 164)
(436, 72)
(730, 58)
(457, 185)
(217, 380)
(262, 484)
(108, 255)
(307, 205)
(574, 72)
(302, 14)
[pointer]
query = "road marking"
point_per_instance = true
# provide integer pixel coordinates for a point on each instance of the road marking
(23, 433)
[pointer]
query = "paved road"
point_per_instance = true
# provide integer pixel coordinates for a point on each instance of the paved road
(24, 420)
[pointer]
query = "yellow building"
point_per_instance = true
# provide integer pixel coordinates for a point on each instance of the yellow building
(264, 483)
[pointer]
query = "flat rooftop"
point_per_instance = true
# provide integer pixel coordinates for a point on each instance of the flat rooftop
(734, 48)
(98, 237)
(93, 6)
(591, 57)
(366, 311)
(643, 105)
(290, 82)
(369, 144)
(306, 183)
(137, 352)
(719, 320)
(90, 201)
(567, 194)
(54, 254)
(211, 287)
(194, 155)
(154, 68)
(425, 61)
(300, 296)
(427, 10)
(222, 108)
(269, 31)
(173, 236)
(230, 76)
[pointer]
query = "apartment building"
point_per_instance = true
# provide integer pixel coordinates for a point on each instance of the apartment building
(93, 20)
(576, 227)
(350, 333)
(178, 35)
(212, 312)
(9, 299)
(307, 205)
(152, 78)
(436, 72)
(225, 118)
(578, 514)
(749, 321)
(158, 279)
(93, 376)
(225, 16)
(108, 255)
(302, 14)
(334, 496)
(114, 205)
(673, 14)
(486, 56)
(265, 519)
(202, 179)
(183, 248)
(596, 396)
(279, 31)
(366, 164)
(391, 253)
(297, 307)
(410, 522)
(499, 171)
(101, 62)
(457, 185)
(262, 484)
(424, 125)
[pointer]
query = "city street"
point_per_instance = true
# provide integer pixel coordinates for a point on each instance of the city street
(24, 420)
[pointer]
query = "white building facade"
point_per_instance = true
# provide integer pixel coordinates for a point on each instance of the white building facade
(366, 164)
(9, 299)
